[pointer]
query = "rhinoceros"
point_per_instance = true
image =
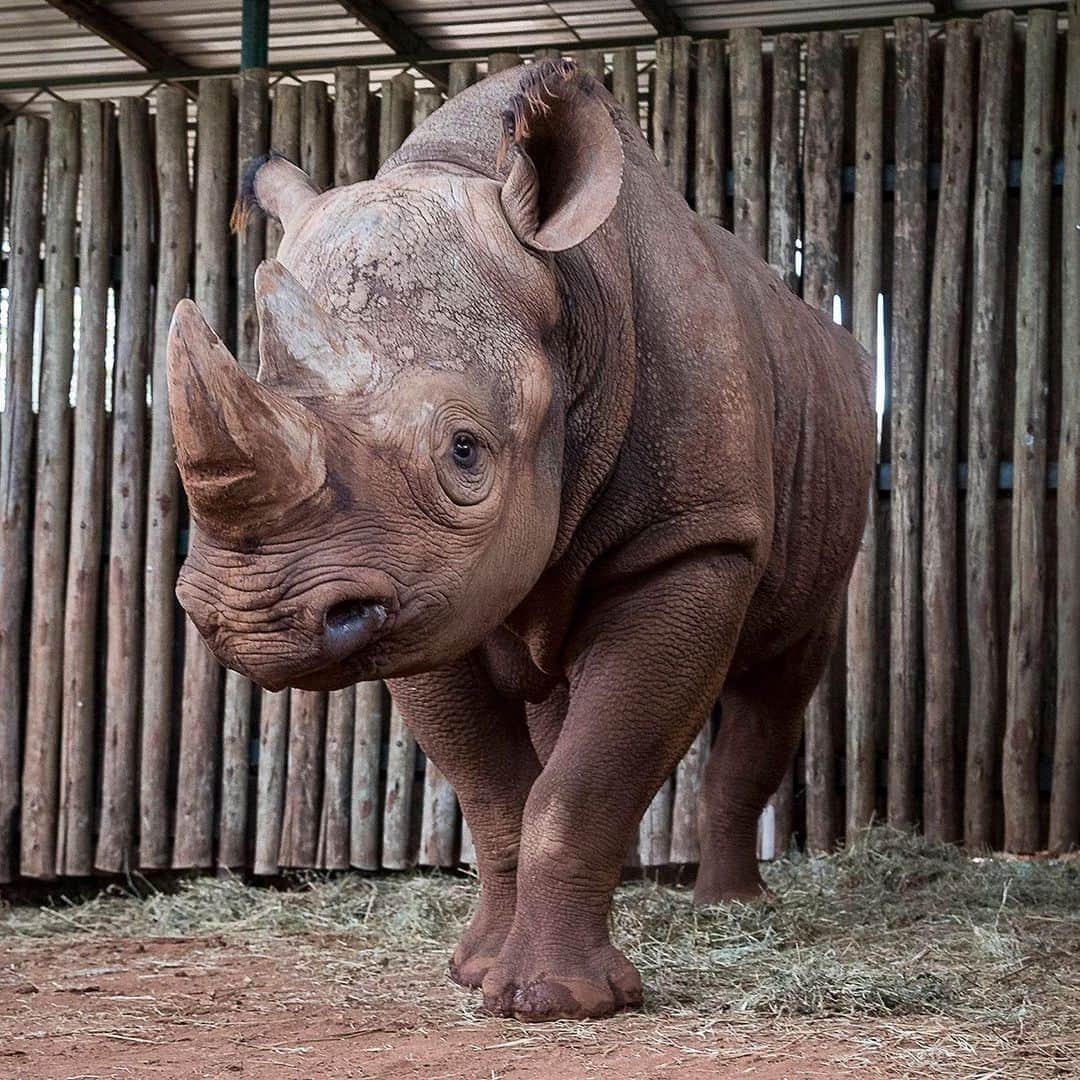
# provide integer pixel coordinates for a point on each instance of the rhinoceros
(563, 463)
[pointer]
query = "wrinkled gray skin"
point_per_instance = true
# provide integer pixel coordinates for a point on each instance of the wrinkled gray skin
(561, 461)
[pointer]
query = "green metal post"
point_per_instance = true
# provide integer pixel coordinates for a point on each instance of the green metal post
(254, 34)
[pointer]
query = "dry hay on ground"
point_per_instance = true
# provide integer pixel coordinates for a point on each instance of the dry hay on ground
(891, 958)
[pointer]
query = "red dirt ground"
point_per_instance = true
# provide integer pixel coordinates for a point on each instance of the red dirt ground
(211, 1007)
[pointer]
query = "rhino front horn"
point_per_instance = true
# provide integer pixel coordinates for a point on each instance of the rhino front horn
(247, 454)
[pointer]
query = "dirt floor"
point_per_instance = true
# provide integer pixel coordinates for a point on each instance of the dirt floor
(894, 960)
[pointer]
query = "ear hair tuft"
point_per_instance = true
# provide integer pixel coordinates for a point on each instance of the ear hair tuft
(539, 82)
(247, 203)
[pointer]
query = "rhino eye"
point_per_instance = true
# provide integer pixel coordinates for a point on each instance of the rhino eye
(464, 449)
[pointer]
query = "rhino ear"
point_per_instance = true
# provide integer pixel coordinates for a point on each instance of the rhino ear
(303, 350)
(275, 185)
(566, 157)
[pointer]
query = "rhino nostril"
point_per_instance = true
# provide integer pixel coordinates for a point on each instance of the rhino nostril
(350, 625)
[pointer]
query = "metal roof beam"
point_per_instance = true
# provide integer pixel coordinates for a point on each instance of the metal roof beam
(665, 21)
(390, 30)
(121, 35)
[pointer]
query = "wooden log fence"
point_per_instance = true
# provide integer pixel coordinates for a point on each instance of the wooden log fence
(952, 702)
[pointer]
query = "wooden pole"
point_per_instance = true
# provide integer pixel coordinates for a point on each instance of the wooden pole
(16, 440)
(304, 776)
(333, 846)
(784, 160)
(252, 140)
(285, 140)
(776, 825)
(821, 230)
(710, 132)
(315, 156)
(41, 754)
(396, 114)
(860, 760)
(162, 497)
(351, 152)
(670, 135)
(1065, 790)
(439, 821)
(270, 790)
(119, 776)
(747, 144)
(427, 101)
(274, 708)
(906, 379)
(200, 732)
(397, 808)
(1027, 642)
(364, 828)
(624, 81)
(988, 259)
(502, 61)
(591, 61)
(74, 829)
(462, 76)
(940, 620)
(670, 108)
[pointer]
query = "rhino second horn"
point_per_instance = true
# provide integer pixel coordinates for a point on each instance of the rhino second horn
(247, 454)
(303, 350)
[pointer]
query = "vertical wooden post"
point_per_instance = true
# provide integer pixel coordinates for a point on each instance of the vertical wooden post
(439, 817)
(308, 709)
(427, 101)
(1027, 604)
(200, 734)
(747, 144)
(940, 622)
(462, 75)
(861, 615)
(75, 826)
(41, 753)
(274, 708)
(333, 847)
(364, 828)
(396, 114)
(174, 265)
(351, 151)
(16, 440)
(116, 833)
(304, 775)
(988, 259)
(502, 61)
(710, 132)
(906, 384)
(1065, 790)
(553, 53)
(270, 783)
(284, 139)
(784, 160)
(821, 173)
(775, 828)
(397, 809)
(250, 245)
(624, 81)
(591, 61)
(670, 134)
(670, 118)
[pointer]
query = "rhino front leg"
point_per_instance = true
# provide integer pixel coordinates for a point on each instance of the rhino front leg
(480, 742)
(646, 666)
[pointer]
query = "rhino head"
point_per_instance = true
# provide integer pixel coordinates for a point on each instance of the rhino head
(387, 489)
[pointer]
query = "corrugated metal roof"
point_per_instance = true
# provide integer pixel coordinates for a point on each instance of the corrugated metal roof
(43, 50)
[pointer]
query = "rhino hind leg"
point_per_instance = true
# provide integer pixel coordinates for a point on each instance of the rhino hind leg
(760, 725)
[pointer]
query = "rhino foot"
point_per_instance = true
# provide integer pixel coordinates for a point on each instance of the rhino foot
(481, 943)
(597, 984)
